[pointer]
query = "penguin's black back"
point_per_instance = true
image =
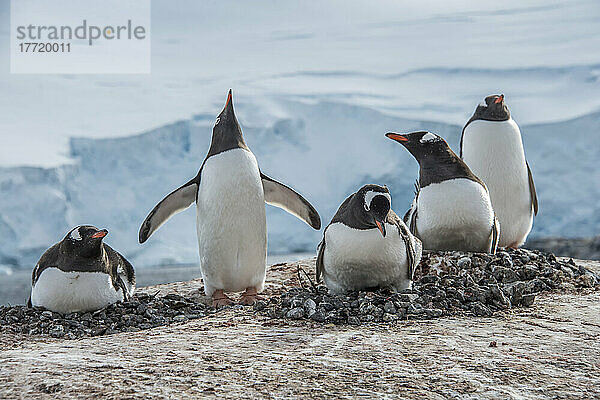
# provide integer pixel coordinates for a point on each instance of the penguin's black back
(444, 165)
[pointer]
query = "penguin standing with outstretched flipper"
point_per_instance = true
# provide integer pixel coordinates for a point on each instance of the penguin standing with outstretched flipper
(230, 193)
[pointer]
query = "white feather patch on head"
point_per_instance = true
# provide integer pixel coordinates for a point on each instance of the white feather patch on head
(483, 104)
(75, 235)
(428, 137)
(371, 194)
(217, 121)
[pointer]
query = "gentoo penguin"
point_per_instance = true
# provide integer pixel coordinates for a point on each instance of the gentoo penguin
(366, 245)
(81, 273)
(230, 192)
(452, 208)
(492, 147)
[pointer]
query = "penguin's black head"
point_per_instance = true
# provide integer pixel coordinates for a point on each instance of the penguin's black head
(227, 133)
(85, 241)
(437, 161)
(493, 108)
(376, 203)
(422, 145)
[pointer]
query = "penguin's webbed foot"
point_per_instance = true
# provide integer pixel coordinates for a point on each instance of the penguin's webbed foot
(249, 297)
(220, 299)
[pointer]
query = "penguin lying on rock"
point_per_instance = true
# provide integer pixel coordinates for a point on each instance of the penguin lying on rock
(366, 245)
(81, 273)
(492, 147)
(452, 210)
(230, 193)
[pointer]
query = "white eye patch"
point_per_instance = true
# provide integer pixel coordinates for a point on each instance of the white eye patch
(482, 104)
(75, 235)
(371, 194)
(217, 121)
(428, 137)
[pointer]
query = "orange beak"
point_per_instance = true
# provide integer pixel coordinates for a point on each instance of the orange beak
(499, 99)
(100, 234)
(381, 228)
(228, 98)
(396, 137)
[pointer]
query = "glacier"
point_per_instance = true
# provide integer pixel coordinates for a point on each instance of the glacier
(325, 150)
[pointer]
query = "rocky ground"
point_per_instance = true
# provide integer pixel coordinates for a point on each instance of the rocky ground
(144, 311)
(446, 283)
(546, 350)
(450, 283)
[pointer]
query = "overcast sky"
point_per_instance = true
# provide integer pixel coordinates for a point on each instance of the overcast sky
(427, 59)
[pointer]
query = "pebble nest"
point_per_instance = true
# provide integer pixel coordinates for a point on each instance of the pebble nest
(446, 283)
(144, 311)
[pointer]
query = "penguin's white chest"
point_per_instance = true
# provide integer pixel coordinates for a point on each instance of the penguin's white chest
(231, 223)
(494, 152)
(455, 214)
(66, 292)
(357, 259)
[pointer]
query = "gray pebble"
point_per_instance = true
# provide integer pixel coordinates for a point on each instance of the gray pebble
(310, 307)
(318, 316)
(295, 313)
(389, 307)
(57, 331)
(480, 310)
(528, 300)
(464, 262)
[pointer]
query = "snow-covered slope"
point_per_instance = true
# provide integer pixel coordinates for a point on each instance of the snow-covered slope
(325, 150)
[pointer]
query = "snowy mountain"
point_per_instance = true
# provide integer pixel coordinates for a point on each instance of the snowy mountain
(324, 150)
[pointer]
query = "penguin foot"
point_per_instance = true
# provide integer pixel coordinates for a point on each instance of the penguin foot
(249, 297)
(220, 299)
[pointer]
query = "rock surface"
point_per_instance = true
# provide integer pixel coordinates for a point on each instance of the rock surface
(548, 350)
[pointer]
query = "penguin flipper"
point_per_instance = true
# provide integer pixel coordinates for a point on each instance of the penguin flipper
(123, 288)
(411, 254)
(410, 218)
(129, 271)
(121, 269)
(279, 195)
(47, 260)
(413, 223)
(534, 200)
(177, 201)
(320, 255)
(495, 235)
